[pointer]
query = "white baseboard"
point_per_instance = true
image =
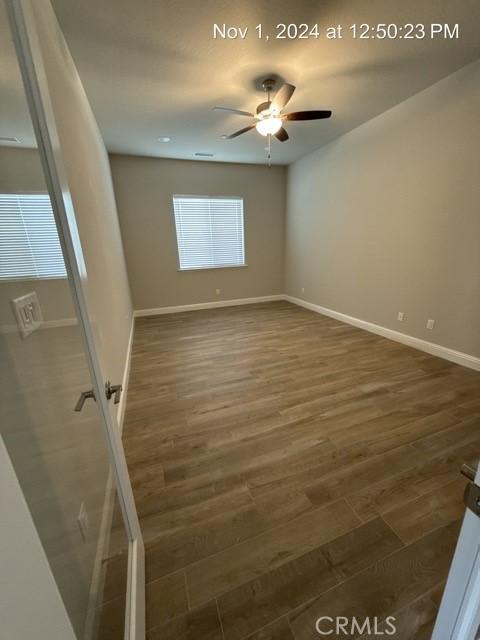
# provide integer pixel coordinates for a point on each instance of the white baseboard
(63, 322)
(46, 324)
(205, 305)
(438, 350)
(126, 375)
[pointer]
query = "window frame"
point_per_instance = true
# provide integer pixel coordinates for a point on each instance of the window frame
(210, 197)
(33, 192)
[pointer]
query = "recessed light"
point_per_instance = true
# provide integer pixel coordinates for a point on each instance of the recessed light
(10, 139)
(164, 139)
(204, 155)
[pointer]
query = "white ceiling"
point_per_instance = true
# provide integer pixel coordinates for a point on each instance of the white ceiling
(151, 68)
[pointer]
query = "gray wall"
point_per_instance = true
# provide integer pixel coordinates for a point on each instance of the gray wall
(387, 218)
(144, 189)
(88, 174)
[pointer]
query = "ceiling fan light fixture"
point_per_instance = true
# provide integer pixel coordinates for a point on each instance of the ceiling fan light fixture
(269, 116)
(268, 126)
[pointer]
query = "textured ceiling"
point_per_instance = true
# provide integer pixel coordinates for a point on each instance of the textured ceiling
(152, 68)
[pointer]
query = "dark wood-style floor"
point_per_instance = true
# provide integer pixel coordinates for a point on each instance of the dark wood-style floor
(287, 466)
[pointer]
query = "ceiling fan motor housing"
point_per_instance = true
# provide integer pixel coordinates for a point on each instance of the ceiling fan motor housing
(268, 84)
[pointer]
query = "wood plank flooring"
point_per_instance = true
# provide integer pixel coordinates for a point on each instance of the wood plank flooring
(287, 466)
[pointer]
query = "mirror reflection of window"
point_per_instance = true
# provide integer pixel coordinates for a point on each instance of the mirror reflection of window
(29, 244)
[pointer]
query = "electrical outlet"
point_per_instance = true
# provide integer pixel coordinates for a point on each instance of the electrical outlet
(401, 316)
(303, 289)
(430, 324)
(218, 291)
(83, 521)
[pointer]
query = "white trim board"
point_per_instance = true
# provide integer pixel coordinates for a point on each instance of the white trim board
(433, 349)
(205, 305)
(45, 324)
(126, 376)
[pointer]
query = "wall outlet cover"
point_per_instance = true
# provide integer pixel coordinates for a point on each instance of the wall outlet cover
(28, 313)
(430, 323)
(401, 316)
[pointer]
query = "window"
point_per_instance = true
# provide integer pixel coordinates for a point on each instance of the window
(29, 244)
(209, 232)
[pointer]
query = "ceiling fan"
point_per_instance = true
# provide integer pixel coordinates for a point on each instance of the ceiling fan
(269, 117)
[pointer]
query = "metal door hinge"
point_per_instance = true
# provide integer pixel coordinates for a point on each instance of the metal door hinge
(113, 390)
(471, 498)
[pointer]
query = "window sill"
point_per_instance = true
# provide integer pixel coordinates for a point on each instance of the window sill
(33, 279)
(228, 266)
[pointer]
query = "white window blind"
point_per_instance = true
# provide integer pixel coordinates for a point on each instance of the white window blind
(209, 232)
(29, 244)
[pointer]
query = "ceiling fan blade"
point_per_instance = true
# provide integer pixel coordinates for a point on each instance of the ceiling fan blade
(239, 112)
(240, 131)
(282, 96)
(306, 115)
(281, 135)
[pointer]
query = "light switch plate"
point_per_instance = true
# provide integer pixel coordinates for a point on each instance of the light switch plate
(27, 313)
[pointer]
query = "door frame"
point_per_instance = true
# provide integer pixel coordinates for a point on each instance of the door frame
(29, 55)
(459, 613)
